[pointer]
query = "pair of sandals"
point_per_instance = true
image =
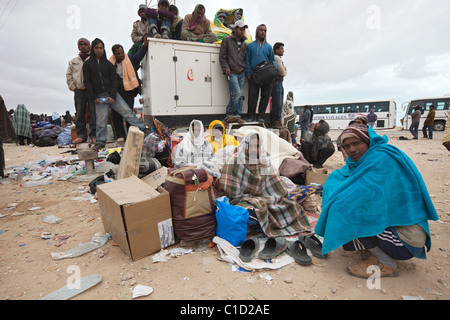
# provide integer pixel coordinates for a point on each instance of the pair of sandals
(297, 249)
(272, 248)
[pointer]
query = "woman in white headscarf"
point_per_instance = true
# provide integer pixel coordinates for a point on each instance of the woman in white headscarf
(194, 150)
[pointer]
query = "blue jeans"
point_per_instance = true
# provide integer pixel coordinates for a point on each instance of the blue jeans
(277, 101)
(430, 132)
(121, 107)
(160, 26)
(236, 82)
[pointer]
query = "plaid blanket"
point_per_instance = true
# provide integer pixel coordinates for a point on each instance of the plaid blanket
(22, 121)
(256, 186)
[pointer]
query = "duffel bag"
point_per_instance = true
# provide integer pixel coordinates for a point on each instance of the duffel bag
(193, 194)
(265, 73)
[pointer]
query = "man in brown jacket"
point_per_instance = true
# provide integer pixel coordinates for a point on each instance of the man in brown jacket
(6, 132)
(429, 124)
(232, 61)
(196, 27)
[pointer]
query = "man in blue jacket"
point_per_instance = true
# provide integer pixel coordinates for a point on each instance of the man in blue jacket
(258, 51)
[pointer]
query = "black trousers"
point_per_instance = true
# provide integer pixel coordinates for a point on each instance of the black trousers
(253, 94)
(322, 156)
(2, 160)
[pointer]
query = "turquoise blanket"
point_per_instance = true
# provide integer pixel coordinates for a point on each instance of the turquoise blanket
(383, 189)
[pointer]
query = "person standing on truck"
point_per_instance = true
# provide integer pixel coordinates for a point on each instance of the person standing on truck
(258, 51)
(177, 23)
(414, 128)
(100, 78)
(232, 61)
(277, 87)
(196, 27)
(160, 20)
(429, 124)
(140, 29)
(127, 67)
(75, 82)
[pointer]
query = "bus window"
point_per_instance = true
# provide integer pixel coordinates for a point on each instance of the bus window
(381, 107)
(440, 105)
(364, 108)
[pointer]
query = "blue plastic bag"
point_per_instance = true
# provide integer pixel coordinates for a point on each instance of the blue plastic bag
(231, 222)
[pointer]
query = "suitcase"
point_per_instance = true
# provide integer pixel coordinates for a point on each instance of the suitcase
(193, 193)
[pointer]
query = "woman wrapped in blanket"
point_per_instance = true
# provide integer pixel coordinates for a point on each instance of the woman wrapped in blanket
(193, 150)
(249, 181)
(378, 202)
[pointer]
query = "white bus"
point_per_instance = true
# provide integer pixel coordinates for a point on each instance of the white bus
(339, 115)
(441, 106)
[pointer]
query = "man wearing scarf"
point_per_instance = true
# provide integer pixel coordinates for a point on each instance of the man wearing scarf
(377, 202)
(6, 133)
(129, 84)
(196, 27)
(83, 104)
(140, 29)
(250, 181)
(318, 147)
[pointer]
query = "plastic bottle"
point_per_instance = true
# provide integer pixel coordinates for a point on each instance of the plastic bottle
(31, 184)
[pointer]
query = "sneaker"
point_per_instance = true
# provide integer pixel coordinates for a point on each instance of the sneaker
(361, 270)
(98, 146)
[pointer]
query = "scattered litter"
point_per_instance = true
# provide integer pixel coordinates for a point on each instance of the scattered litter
(165, 255)
(97, 242)
(265, 276)
(412, 298)
(3, 215)
(141, 291)
(74, 289)
(51, 219)
(34, 209)
(46, 235)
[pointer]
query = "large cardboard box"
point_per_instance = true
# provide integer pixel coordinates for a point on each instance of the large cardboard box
(137, 216)
(318, 176)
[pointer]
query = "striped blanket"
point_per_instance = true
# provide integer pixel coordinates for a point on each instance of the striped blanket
(22, 121)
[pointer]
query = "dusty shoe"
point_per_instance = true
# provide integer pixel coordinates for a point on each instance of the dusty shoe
(277, 124)
(78, 141)
(360, 270)
(165, 34)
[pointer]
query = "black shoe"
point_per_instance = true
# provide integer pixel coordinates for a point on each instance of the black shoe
(250, 118)
(260, 119)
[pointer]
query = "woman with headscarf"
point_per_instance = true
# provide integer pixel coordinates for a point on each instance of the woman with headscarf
(317, 146)
(249, 181)
(377, 202)
(218, 138)
(193, 150)
(22, 124)
(196, 27)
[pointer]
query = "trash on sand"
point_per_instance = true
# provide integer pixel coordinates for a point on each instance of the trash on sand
(97, 242)
(47, 235)
(412, 298)
(141, 291)
(51, 219)
(165, 255)
(74, 289)
(230, 254)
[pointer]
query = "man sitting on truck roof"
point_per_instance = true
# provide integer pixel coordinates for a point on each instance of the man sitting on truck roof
(140, 30)
(160, 20)
(196, 27)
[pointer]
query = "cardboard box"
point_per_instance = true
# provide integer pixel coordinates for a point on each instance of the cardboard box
(318, 176)
(137, 216)
(131, 156)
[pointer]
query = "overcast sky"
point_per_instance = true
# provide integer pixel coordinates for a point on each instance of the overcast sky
(336, 50)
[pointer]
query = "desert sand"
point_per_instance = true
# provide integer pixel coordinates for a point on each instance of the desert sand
(28, 271)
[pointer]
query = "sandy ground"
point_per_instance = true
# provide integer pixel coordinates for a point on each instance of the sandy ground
(27, 271)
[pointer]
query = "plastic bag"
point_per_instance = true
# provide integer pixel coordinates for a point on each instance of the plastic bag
(231, 222)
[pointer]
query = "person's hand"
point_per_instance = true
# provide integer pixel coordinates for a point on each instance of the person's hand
(145, 40)
(110, 100)
(228, 73)
(96, 101)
